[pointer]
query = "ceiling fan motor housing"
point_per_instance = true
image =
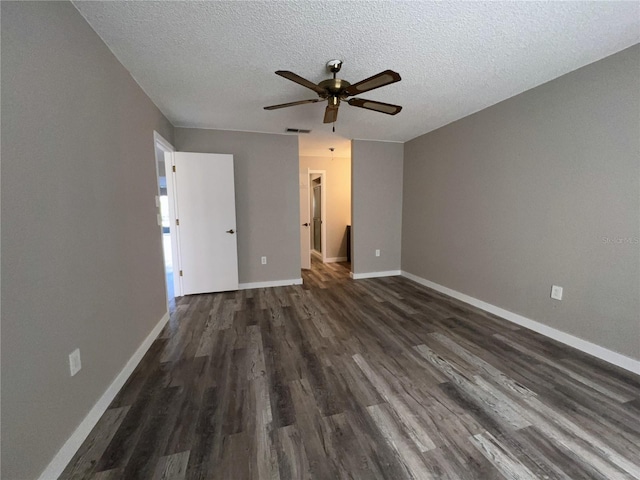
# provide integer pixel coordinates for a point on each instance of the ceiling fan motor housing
(334, 87)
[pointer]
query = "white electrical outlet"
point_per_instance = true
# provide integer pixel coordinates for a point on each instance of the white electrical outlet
(159, 220)
(157, 201)
(264, 260)
(377, 253)
(556, 292)
(74, 362)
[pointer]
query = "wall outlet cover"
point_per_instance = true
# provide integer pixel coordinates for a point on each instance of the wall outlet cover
(377, 253)
(264, 260)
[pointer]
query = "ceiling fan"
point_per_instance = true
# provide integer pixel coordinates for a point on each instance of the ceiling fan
(334, 90)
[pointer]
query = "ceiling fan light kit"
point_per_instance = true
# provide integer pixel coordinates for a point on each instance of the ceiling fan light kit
(334, 90)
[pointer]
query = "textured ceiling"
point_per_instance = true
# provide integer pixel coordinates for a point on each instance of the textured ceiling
(211, 64)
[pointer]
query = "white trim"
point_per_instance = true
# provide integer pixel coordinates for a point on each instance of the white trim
(305, 220)
(71, 446)
(166, 145)
(274, 283)
(335, 259)
(585, 346)
(389, 273)
(169, 150)
(323, 209)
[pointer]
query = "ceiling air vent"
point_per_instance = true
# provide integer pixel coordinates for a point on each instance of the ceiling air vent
(297, 130)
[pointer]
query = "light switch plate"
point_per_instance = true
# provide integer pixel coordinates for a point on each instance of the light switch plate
(556, 292)
(74, 362)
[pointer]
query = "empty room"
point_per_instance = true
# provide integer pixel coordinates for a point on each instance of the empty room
(320, 240)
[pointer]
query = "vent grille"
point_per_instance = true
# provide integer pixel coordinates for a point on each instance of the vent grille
(297, 130)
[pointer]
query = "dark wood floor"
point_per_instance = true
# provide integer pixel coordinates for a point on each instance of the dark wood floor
(369, 379)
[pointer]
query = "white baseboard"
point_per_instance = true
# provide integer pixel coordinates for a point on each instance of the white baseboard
(389, 273)
(585, 346)
(275, 283)
(71, 446)
(335, 259)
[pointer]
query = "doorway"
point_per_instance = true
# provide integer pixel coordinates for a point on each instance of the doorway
(325, 201)
(165, 202)
(315, 180)
(317, 212)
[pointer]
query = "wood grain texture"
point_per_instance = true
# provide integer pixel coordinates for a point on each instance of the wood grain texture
(171, 467)
(370, 379)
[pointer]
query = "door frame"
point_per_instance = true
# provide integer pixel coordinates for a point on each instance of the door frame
(305, 231)
(323, 210)
(162, 144)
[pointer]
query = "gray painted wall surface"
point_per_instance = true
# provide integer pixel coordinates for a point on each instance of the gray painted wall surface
(540, 189)
(338, 199)
(81, 250)
(376, 181)
(267, 198)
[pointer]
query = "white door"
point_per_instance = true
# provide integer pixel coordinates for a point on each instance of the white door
(206, 216)
(305, 222)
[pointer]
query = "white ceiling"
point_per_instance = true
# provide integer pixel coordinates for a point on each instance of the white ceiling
(211, 64)
(318, 143)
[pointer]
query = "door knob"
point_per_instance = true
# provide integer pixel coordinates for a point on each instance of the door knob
(305, 224)
(231, 231)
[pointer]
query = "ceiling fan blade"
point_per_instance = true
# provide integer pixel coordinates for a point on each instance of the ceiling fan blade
(291, 104)
(387, 108)
(330, 114)
(301, 81)
(380, 80)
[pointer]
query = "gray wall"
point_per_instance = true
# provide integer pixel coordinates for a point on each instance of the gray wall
(376, 205)
(267, 198)
(337, 185)
(540, 189)
(81, 250)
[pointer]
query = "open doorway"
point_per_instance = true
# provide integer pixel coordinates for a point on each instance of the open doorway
(317, 213)
(166, 215)
(325, 202)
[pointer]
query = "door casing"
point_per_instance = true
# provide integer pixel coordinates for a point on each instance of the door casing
(168, 149)
(305, 231)
(323, 210)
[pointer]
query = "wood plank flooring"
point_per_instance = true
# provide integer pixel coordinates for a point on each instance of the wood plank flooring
(367, 379)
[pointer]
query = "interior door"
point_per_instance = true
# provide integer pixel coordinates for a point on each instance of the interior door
(206, 217)
(305, 222)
